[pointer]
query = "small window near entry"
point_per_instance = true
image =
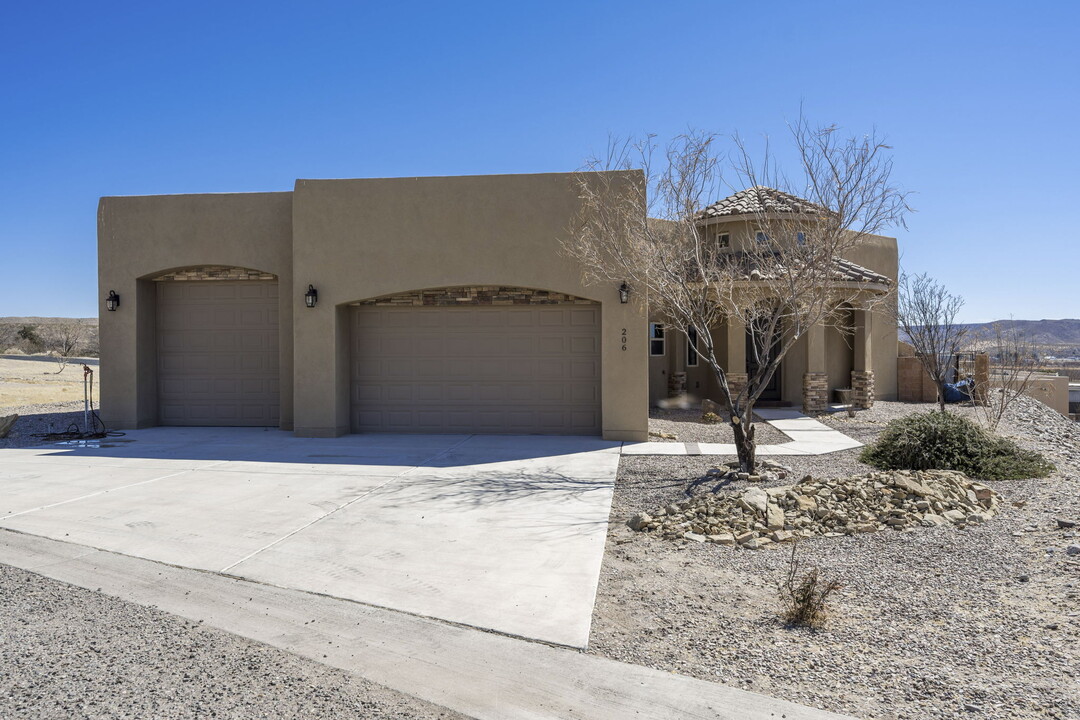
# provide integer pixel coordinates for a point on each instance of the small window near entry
(656, 339)
(762, 238)
(800, 238)
(691, 347)
(723, 240)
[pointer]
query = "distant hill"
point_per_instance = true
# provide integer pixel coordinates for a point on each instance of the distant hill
(1040, 332)
(46, 320)
(45, 327)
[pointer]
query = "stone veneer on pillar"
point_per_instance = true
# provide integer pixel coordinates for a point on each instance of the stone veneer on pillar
(737, 382)
(815, 393)
(676, 385)
(862, 388)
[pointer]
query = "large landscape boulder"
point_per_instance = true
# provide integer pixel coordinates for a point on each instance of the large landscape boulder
(6, 423)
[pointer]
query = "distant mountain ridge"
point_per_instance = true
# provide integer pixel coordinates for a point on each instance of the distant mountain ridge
(1040, 332)
(46, 320)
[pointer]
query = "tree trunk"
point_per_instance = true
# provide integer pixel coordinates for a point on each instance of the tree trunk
(744, 442)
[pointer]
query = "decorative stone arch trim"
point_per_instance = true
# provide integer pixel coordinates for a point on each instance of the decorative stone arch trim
(468, 295)
(214, 272)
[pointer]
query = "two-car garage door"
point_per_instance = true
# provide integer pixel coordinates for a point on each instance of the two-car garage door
(476, 369)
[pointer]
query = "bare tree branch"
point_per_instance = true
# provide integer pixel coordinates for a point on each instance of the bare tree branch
(927, 313)
(1013, 364)
(63, 341)
(778, 286)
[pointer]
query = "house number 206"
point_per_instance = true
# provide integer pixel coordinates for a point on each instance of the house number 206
(624, 339)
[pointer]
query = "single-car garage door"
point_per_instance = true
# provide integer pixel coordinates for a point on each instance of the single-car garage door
(217, 352)
(478, 369)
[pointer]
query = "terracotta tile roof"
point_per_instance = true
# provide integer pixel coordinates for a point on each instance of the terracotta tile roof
(847, 270)
(843, 270)
(760, 199)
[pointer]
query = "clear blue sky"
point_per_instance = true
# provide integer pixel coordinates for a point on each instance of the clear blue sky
(980, 99)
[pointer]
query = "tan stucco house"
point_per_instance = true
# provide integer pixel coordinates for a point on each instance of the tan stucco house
(436, 305)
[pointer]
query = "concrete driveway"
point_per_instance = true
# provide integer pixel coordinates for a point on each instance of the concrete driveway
(499, 532)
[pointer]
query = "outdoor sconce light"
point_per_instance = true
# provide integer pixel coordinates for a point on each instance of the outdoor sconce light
(112, 302)
(311, 296)
(624, 293)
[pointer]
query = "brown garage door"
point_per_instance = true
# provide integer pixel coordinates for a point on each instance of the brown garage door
(513, 369)
(217, 353)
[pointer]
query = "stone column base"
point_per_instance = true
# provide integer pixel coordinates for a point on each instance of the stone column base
(862, 388)
(676, 385)
(815, 393)
(737, 382)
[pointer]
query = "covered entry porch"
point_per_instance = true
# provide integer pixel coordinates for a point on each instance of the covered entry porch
(827, 357)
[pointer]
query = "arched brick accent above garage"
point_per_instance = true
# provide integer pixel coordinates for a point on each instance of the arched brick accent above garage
(214, 272)
(476, 295)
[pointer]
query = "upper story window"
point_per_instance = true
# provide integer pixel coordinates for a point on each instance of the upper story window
(656, 339)
(691, 347)
(800, 238)
(723, 240)
(762, 238)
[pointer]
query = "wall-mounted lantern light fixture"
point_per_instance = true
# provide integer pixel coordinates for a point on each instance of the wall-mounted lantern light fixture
(112, 302)
(311, 297)
(624, 293)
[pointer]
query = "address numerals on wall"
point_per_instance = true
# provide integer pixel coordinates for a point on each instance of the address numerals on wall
(624, 339)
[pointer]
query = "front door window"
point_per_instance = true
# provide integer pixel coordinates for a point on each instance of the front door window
(755, 337)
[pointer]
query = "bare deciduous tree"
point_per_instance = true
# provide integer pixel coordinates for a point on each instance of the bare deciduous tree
(927, 313)
(1013, 361)
(63, 341)
(654, 236)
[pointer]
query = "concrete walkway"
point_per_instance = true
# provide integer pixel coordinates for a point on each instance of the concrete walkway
(480, 674)
(808, 437)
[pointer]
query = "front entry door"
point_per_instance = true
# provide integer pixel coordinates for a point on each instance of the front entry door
(771, 392)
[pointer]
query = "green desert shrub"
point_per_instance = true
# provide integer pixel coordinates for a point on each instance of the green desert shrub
(946, 441)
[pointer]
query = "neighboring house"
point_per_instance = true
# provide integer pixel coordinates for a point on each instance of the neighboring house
(439, 305)
(859, 352)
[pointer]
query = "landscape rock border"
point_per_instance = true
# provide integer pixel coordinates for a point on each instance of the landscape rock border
(758, 517)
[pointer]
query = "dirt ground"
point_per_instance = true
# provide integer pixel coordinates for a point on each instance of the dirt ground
(930, 623)
(33, 380)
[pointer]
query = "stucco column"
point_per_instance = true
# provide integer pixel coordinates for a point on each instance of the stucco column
(735, 360)
(320, 353)
(862, 374)
(815, 393)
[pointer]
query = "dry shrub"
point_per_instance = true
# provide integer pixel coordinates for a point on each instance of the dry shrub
(946, 441)
(711, 418)
(804, 595)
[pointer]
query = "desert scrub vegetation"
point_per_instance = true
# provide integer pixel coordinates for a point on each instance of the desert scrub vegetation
(804, 595)
(946, 441)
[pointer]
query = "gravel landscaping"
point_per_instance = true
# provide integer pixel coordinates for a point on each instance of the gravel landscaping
(686, 426)
(38, 419)
(938, 622)
(66, 652)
